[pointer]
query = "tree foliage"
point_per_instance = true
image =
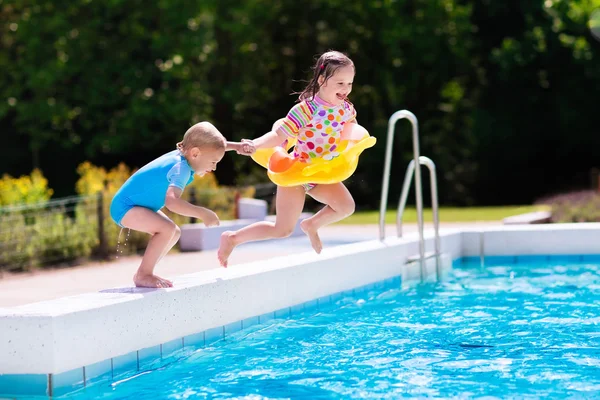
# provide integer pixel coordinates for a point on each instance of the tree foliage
(505, 92)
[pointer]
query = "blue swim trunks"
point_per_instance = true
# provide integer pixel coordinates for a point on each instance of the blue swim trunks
(148, 186)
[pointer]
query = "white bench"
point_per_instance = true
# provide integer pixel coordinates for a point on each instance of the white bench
(252, 209)
(536, 217)
(197, 237)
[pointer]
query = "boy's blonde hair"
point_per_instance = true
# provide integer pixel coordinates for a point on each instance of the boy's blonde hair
(202, 135)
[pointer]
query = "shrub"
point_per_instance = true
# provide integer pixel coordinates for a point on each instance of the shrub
(580, 206)
(16, 251)
(45, 234)
(94, 180)
(25, 189)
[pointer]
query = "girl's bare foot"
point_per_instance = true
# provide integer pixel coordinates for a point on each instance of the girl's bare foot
(225, 247)
(313, 235)
(151, 281)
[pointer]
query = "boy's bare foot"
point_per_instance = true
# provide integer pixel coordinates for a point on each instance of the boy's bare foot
(313, 235)
(151, 281)
(225, 247)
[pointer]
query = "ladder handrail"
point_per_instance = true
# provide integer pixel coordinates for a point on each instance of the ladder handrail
(386, 179)
(434, 203)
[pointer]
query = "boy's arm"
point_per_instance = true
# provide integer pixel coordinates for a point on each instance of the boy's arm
(236, 146)
(245, 148)
(176, 204)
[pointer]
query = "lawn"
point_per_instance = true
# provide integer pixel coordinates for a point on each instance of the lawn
(447, 214)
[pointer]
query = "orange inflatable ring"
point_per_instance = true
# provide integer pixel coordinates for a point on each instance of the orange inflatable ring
(284, 170)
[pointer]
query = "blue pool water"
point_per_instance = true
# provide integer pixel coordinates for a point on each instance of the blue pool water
(527, 330)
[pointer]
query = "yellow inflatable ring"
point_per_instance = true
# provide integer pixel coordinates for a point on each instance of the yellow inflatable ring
(355, 139)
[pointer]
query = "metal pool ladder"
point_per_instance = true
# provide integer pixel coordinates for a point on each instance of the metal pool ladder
(417, 161)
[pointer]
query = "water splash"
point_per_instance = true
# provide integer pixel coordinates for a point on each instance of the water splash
(119, 241)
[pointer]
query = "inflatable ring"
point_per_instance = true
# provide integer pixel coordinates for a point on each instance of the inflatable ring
(284, 170)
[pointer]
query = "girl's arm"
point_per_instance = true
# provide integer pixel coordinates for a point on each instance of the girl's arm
(270, 139)
(176, 204)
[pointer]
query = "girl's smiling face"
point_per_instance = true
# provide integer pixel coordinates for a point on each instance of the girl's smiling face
(338, 86)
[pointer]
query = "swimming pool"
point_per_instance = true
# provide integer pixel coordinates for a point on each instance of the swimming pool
(521, 326)
(61, 346)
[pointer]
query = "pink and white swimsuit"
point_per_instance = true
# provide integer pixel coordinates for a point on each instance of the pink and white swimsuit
(317, 125)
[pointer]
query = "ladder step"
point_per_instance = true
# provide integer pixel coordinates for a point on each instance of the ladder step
(417, 257)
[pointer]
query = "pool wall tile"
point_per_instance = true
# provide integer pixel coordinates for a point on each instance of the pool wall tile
(380, 285)
(170, 347)
(591, 258)
(564, 258)
(98, 371)
(393, 283)
(311, 306)
(250, 322)
(194, 341)
(335, 297)
(369, 287)
(24, 385)
(461, 261)
(148, 356)
(125, 363)
(490, 260)
(213, 335)
(532, 258)
(499, 260)
(266, 318)
(324, 302)
(297, 309)
(232, 328)
(67, 382)
(282, 313)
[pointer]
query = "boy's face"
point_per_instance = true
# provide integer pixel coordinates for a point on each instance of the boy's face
(205, 160)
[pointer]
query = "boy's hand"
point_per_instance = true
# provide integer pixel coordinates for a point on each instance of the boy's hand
(247, 147)
(209, 218)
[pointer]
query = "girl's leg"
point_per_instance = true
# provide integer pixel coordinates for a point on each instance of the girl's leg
(289, 205)
(339, 204)
(163, 231)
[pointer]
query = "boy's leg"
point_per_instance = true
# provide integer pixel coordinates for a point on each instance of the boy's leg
(289, 205)
(338, 205)
(173, 241)
(162, 230)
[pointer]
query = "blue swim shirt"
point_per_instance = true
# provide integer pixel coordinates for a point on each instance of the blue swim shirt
(148, 186)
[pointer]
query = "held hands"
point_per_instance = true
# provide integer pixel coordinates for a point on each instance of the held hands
(208, 217)
(247, 147)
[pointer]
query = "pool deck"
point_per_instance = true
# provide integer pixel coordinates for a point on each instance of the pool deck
(24, 288)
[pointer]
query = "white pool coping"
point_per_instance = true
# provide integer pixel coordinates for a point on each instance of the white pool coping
(58, 338)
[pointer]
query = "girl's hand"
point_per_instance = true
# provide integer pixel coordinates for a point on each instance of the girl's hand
(209, 218)
(248, 148)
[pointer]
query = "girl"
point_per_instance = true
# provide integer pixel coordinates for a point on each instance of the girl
(317, 122)
(137, 203)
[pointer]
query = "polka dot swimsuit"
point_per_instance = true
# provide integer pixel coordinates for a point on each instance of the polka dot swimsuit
(317, 126)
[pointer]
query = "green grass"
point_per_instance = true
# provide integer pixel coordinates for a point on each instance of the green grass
(447, 214)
